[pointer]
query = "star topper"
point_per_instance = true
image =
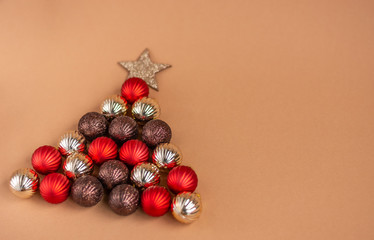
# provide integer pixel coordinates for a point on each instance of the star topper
(145, 69)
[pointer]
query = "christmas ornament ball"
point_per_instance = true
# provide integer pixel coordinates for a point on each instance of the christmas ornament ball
(92, 125)
(102, 149)
(71, 142)
(87, 191)
(182, 179)
(155, 201)
(55, 188)
(186, 207)
(124, 199)
(145, 175)
(133, 152)
(167, 156)
(123, 128)
(77, 164)
(113, 106)
(145, 109)
(46, 159)
(155, 132)
(113, 173)
(134, 89)
(24, 183)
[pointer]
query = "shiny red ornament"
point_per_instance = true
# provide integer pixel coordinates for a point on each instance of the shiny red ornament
(46, 159)
(155, 201)
(55, 188)
(102, 149)
(182, 179)
(134, 89)
(133, 152)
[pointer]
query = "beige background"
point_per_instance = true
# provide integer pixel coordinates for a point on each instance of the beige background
(271, 103)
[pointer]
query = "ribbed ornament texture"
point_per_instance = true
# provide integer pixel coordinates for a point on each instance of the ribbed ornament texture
(113, 106)
(145, 109)
(134, 89)
(77, 164)
(155, 201)
(102, 149)
(24, 183)
(124, 199)
(71, 142)
(145, 175)
(182, 179)
(133, 152)
(46, 159)
(167, 156)
(55, 188)
(113, 173)
(186, 207)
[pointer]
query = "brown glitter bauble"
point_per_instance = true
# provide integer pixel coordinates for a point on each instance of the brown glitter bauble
(93, 125)
(123, 128)
(124, 199)
(113, 173)
(87, 191)
(155, 132)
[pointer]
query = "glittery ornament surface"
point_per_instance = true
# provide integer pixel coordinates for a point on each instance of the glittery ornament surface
(145, 109)
(71, 142)
(24, 182)
(124, 199)
(77, 164)
(155, 132)
(123, 128)
(93, 125)
(87, 191)
(145, 175)
(186, 207)
(113, 173)
(113, 106)
(145, 69)
(167, 156)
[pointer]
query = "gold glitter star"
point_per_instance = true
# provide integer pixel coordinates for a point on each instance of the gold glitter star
(145, 69)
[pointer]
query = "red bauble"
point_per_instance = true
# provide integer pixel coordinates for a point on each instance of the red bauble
(182, 179)
(55, 188)
(134, 89)
(155, 201)
(46, 159)
(133, 152)
(102, 149)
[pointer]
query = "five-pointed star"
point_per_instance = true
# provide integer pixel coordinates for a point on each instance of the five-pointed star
(145, 69)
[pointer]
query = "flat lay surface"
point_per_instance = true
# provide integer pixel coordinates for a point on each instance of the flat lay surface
(270, 102)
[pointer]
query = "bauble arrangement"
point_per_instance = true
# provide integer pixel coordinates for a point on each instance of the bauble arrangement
(131, 151)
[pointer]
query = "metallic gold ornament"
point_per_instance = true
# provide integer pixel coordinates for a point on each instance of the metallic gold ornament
(113, 106)
(145, 109)
(145, 69)
(24, 182)
(77, 164)
(167, 156)
(186, 207)
(71, 142)
(145, 175)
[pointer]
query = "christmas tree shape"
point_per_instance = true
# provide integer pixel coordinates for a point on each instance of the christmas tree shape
(130, 148)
